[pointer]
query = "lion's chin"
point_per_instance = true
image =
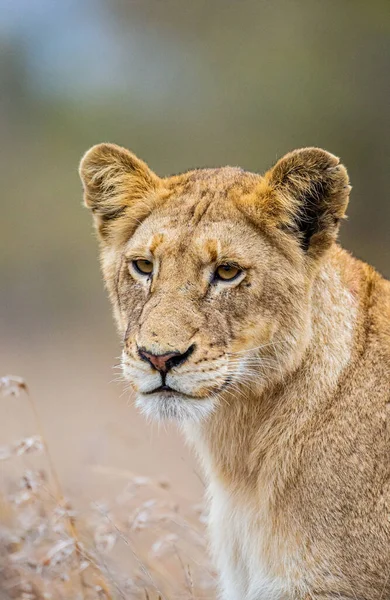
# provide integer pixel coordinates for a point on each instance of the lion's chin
(162, 406)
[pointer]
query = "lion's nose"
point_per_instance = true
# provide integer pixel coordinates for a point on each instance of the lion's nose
(165, 362)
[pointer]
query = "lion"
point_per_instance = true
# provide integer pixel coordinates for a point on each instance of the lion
(243, 319)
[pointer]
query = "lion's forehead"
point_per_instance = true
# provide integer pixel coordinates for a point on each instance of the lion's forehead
(176, 230)
(196, 208)
(217, 180)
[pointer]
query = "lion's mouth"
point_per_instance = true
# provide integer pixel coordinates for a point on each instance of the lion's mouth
(162, 388)
(166, 390)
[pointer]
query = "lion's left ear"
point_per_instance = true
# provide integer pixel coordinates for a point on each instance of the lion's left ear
(306, 193)
(118, 188)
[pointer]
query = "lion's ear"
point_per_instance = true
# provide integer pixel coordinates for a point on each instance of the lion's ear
(118, 188)
(307, 194)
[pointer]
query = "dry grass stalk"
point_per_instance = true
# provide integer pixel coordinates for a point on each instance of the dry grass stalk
(141, 547)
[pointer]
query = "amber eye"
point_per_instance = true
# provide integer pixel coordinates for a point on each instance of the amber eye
(227, 273)
(143, 266)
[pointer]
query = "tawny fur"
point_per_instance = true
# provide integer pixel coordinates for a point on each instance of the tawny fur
(286, 395)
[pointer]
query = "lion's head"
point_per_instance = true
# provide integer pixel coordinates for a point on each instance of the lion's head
(210, 272)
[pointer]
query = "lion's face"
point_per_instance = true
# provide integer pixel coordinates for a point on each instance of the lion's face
(211, 292)
(200, 291)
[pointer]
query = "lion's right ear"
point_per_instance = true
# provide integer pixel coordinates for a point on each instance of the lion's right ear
(118, 188)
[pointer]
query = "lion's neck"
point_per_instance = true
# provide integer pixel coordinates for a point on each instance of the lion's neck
(253, 432)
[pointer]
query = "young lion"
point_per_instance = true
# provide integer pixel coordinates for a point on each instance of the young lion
(242, 319)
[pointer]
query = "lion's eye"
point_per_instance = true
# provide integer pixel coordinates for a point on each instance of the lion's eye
(143, 266)
(227, 273)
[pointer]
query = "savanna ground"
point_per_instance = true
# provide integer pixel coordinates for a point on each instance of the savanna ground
(95, 503)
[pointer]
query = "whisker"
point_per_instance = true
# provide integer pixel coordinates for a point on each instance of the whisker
(246, 350)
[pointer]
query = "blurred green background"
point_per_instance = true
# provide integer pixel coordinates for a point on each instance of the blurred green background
(183, 84)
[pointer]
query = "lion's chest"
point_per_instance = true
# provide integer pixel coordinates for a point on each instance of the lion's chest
(249, 559)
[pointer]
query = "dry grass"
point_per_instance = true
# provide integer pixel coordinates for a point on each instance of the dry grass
(145, 545)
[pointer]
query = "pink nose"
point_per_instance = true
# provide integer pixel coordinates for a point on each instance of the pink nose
(165, 362)
(159, 361)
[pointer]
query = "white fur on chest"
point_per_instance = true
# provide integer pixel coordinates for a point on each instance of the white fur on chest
(239, 540)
